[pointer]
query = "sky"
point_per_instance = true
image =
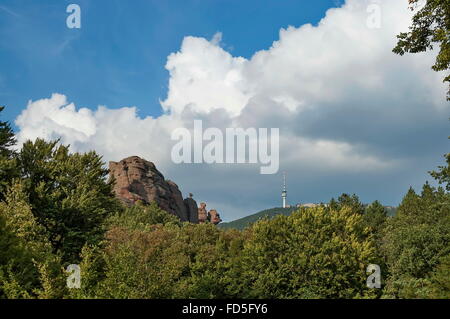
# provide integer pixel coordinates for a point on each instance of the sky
(353, 116)
(117, 57)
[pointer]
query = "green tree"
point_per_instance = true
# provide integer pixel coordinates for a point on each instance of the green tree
(415, 241)
(142, 217)
(430, 27)
(375, 217)
(8, 165)
(14, 259)
(7, 138)
(442, 175)
(350, 201)
(138, 264)
(69, 194)
(214, 263)
(149, 253)
(31, 270)
(313, 253)
(440, 280)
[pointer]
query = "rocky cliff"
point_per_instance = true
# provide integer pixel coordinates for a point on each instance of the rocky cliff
(192, 209)
(138, 180)
(204, 216)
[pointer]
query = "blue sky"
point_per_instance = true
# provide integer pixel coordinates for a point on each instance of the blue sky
(353, 116)
(117, 58)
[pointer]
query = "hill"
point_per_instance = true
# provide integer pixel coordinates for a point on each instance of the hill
(272, 212)
(246, 221)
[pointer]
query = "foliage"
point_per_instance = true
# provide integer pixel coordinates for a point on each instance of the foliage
(189, 261)
(7, 138)
(440, 280)
(28, 268)
(415, 240)
(350, 201)
(68, 193)
(8, 165)
(443, 174)
(15, 262)
(375, 218)
(430, 27)
(142, 217)
(314, 253)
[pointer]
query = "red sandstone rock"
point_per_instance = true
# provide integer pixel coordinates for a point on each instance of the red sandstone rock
(138, 180)
(214, 217)
(202, 213)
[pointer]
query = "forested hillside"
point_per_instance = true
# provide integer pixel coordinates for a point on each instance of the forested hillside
(246, 221)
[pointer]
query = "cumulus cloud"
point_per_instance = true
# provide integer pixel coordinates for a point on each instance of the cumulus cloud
(204, 77)
(54, 117)
(114, 133)
(348, 110)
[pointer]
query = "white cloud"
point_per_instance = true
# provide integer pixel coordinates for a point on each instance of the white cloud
(51, 116)
(204, 77)
(114, 133)
(336, 90)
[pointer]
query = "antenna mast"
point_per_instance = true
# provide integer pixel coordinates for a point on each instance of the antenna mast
(284, 191)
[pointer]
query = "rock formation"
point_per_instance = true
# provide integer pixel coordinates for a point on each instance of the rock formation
(202, 213)
(138, 180)
(192, 209)
(214, 217)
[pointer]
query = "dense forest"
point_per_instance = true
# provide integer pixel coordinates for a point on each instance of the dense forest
(57, 209)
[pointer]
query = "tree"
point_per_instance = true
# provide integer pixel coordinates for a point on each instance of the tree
(443, 174)
(346, 200)
(440, 280)
(313, 253)
(8, 165)
(142, 217)
(14, 259)
(171, 260)
(215, 263)
(430, 27)
(30, 268)
(415, 241)
(69, 194)
(7, 138)
(142, 264)
(375, 218)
